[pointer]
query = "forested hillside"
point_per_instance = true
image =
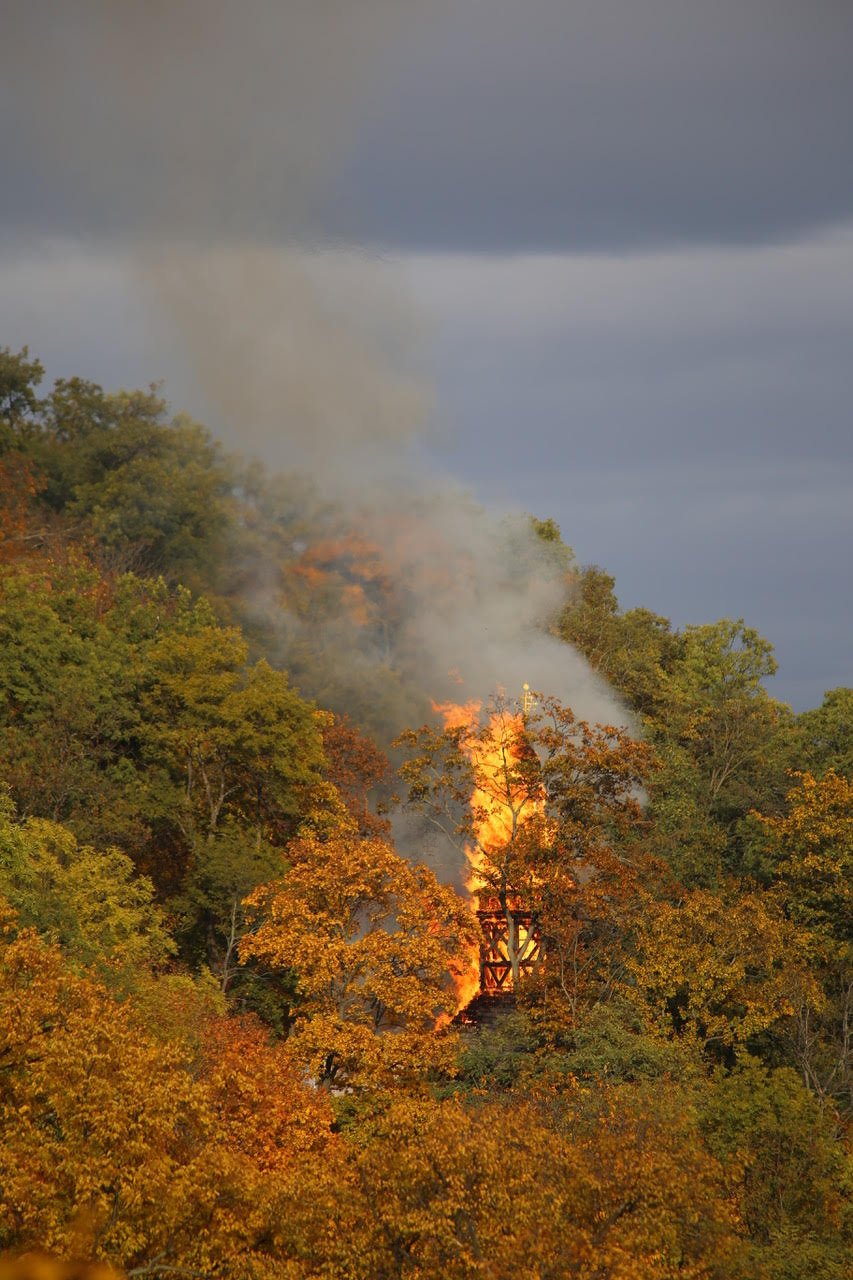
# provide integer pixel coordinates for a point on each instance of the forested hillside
(232, 1034)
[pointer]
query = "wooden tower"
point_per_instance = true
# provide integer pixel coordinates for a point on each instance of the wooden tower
(509, 936)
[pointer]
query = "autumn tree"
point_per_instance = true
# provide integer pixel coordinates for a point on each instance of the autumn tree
(262, 1107)
(670, 1096)
(722, 969)
(371, 938)
(20, 483)
(90, 901)
(356, 767)
(810, 846)
(117, 1146)
(597, 1186)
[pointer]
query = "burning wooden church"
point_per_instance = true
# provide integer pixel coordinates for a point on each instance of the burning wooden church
(511, 948)
(506, 796)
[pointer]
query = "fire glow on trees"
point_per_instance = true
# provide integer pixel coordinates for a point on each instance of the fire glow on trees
(506, 796)
(548, 809)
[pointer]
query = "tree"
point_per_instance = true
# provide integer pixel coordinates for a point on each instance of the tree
(126, 479)
(635, 651)
(97, 1122)
(263, 1108)
(723, 744)
(787, 1168)
(598, 1186)
(68, 713)
(19, 405)
(356, 766)
(239, 756)
(117, 1146)
(35, 1265)
(19, 486)
(371, 938)
(825, 734)
(236, 741)
(130, 716)
(90, 902)
(721, 969)
(810, 847)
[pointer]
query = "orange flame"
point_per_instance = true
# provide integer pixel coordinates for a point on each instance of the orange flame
(492, 804)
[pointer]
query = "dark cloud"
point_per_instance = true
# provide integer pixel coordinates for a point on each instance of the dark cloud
(685, 417)
(471, 124)
(613, 123)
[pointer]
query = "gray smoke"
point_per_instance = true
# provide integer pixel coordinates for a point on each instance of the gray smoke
(202, 137)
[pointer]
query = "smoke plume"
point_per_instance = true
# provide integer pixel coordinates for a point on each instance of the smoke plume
(202, 139)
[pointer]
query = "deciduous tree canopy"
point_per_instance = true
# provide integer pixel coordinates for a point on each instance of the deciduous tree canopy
(227, 1036)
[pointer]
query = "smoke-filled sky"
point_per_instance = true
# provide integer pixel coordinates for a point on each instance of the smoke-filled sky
(592, 259)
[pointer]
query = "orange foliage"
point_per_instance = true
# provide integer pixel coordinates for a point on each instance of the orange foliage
(600, 1187)
(372, 938)
(263, 1109)
(118, 1146)
(19, 485)
(355, 766)
(39, 1266)
(350, 568)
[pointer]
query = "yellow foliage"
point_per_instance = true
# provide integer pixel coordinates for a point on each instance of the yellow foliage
(115, 1145)
(722, 969)
(813, 848)
(605, 1188)
(372, 938)
(38, 1266)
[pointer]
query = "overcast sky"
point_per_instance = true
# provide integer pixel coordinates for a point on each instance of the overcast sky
(623, 230)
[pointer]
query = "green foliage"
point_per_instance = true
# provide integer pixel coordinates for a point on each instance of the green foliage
(825, 734)
(635, 651)
(148, 491)
(723, 743)
(238, 756)
(720, 713)
(72, 671)
(19, 405)
(791, 1172)
(684, 833)
(92, 903)
(128, 714)
(560, 556)
(614, 1042)
(497, 1056)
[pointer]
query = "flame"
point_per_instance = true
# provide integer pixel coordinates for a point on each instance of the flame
(495, 811)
